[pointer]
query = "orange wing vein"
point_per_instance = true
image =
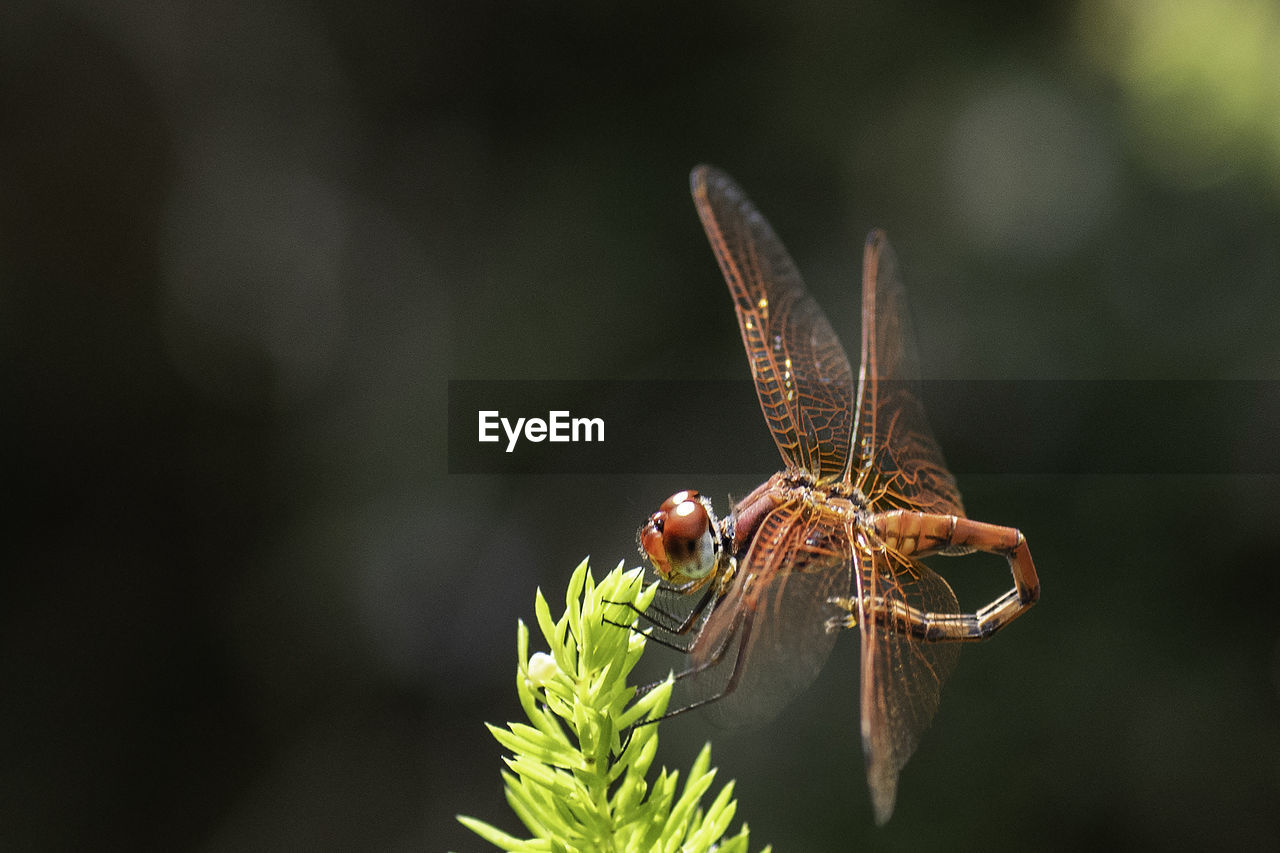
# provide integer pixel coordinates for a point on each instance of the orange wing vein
(801, 373)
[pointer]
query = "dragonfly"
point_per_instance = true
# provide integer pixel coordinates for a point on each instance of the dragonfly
(835, 539)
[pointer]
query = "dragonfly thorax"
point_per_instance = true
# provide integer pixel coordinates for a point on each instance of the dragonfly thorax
(837, 495)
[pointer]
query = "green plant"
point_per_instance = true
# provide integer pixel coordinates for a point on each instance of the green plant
(574, 778)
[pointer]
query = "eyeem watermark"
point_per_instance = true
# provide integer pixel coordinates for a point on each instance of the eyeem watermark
(557, 427)
(677, 426)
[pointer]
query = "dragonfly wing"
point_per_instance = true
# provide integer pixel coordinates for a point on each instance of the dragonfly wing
(770, 632)
(801, 372)
(902, 675)
(899, 462)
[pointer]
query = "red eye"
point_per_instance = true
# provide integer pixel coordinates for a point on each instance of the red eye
(677, 499)
(680, 539)
(685, 525)
(651, 541)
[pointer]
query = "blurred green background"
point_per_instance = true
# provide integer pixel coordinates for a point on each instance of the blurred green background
(245, 245)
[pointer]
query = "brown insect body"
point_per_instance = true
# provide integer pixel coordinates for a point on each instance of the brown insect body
(834, 540)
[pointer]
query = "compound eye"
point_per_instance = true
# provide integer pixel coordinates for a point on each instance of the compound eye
(678, 498)
(651, 543)
(686, 525)
(680, 538)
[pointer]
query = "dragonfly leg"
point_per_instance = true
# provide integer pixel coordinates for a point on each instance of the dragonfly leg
(919, 534)
(738, 637)
(669, 623)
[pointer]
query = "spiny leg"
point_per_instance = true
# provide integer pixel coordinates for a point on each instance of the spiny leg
(668, 623)
(692, 622)
(739, 635)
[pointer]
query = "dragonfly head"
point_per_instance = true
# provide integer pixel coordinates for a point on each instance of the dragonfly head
(683, 541)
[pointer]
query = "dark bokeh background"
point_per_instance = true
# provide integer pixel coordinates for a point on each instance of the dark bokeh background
(245, 245)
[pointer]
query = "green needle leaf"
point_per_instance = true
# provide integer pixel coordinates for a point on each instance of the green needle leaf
(566, 781)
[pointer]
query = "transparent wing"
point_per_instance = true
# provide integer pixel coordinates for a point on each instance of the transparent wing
(769, 631)
(901, 675)
(801, 372)
(898, 461)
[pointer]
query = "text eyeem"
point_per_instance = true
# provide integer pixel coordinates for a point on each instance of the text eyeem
(558, 427)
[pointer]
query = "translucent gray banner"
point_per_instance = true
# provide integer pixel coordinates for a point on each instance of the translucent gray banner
(991, 427)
